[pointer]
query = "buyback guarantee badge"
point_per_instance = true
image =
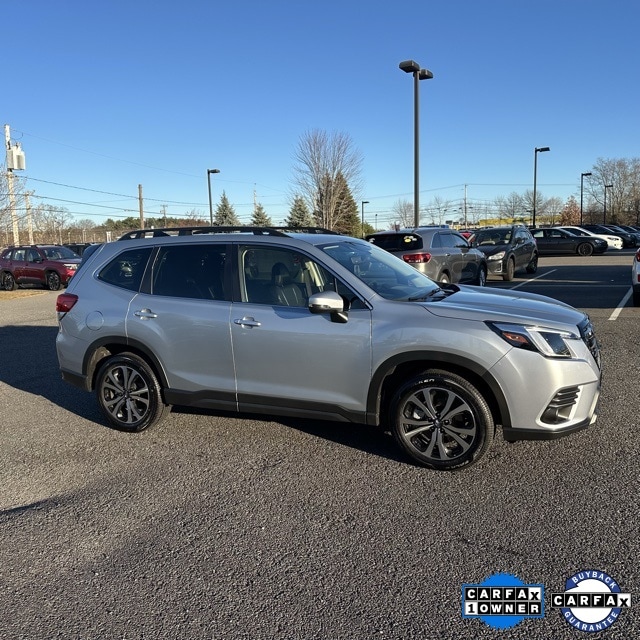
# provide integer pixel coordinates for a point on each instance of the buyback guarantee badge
(502, 601)
(592, 601)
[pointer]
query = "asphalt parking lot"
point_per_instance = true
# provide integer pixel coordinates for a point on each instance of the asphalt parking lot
(215, 526)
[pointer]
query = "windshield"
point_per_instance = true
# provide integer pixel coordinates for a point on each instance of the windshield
(492, 237)
(387, 275)
(59, 253)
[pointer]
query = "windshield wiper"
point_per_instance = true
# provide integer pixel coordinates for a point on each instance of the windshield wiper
(426, 296)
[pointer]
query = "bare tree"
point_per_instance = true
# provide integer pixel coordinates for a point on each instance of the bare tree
(325, 162)
(403, 213)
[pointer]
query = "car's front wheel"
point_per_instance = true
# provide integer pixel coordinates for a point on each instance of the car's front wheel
(129, 394)
(510, 269)
(8, 282)
(442, 421)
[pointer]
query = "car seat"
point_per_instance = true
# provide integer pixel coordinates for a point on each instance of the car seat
(283, 290)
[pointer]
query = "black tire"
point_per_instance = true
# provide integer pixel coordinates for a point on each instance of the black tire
(441, 421)
(636, 298)
(532, 267)
(8, 282)
(53, 281)
(511, 269)
(585, 249)
(481, 280)
(129, 394)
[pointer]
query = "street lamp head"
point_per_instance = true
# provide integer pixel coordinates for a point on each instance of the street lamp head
(409, 66)
(608, 186)
(213, 170)
(587, 174)
(541, 149)
(425, 74)
(365, 202)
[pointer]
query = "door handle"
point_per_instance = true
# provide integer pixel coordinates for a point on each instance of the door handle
(247, 322)
(145, 314)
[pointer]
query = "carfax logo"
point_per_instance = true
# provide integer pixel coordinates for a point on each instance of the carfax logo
(591, 601)
(502, 601)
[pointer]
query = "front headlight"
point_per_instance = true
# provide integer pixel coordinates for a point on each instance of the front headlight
(496, 256)
(549, 342)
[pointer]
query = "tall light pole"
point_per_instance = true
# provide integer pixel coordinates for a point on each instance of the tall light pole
(363, 202)
(535, 174)
(209, 172)
(582, 177)
(604, 214)
(410, 66)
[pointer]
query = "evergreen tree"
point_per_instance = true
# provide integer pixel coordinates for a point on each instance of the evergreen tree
(260, 218)
(225, 213)
(299, 215)
(346, 219)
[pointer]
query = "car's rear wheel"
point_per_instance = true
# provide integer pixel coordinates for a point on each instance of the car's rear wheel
(636, 298)
(532, 267)
(8, 282)
(53, 281)
(510, 269)
(129, 394)
(442, 421)
(481, 280)
(584, 249)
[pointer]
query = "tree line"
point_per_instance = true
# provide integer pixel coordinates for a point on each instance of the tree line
(327, 173)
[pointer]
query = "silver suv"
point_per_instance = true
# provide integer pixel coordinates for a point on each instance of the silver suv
(315, 325)
(440, 253)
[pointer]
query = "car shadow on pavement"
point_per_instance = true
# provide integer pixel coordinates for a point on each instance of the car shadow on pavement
(29, 363)
(368, 439)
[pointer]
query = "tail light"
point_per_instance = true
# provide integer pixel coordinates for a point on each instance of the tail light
(416, 258)
(65, 302)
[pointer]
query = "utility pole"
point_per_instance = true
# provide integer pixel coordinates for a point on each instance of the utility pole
(164, 214)
(29, 220)
(12, 199)
(141, 207)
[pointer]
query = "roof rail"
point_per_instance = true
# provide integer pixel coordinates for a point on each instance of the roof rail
(190, 231)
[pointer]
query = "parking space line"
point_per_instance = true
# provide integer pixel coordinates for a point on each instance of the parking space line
(532, 279)
(621, 305)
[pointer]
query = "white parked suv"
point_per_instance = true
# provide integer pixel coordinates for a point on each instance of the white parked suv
(319, 325)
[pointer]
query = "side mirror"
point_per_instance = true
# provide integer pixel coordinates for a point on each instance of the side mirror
(328, 302)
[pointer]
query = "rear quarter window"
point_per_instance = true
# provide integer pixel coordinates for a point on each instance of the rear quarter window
(126, 269)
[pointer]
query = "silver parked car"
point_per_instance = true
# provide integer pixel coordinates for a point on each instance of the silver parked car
(316, 325)
(440, 253)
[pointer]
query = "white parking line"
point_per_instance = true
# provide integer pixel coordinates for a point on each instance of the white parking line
(532, 279)
(621, 305)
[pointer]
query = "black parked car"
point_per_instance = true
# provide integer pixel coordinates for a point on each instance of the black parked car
(554, 241)
(627, 239)
(508, 249)
(629, 229)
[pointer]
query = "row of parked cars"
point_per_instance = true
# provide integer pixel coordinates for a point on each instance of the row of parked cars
(446, 255)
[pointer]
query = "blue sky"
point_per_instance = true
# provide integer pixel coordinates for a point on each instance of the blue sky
(106, 96)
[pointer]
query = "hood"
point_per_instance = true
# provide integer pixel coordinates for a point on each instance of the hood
(491, 249)
(479, 303)
(66, 260)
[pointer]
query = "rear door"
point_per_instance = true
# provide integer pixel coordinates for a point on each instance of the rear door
(182, 314)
